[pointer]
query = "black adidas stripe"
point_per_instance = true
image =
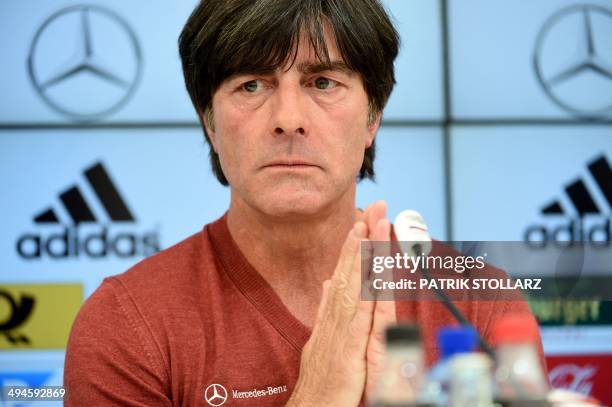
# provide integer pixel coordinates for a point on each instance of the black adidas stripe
(553, 209)
(601, 171)
(76, 206)
(47, 216)
(579, 194)
(581, 198)
(107, 193)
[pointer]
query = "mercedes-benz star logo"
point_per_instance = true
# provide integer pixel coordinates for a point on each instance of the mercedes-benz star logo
(577, 78)
(215, 395)
(85, 62)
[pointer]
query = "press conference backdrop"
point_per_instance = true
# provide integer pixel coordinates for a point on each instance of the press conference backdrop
(499, 128)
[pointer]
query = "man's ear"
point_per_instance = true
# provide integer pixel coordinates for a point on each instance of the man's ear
(209, 126)
(373, 125)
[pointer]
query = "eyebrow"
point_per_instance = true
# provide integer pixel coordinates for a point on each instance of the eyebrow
(304, 67)
(338, 66)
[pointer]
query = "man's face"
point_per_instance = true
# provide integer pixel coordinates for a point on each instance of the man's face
(291, 142)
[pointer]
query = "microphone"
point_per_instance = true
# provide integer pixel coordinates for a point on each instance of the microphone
(414, 240)
(411, 231)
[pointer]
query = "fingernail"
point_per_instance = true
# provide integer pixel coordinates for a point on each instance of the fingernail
(383, 205)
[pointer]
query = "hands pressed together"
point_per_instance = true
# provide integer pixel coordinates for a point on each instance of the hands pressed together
(343, 358)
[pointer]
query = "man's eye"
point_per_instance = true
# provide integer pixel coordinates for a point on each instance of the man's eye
(252, 86)
(324, 83)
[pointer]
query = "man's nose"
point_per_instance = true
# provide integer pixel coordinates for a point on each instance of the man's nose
(289, 110)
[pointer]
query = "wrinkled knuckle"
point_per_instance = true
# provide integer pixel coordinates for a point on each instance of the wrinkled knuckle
(379, 336)
(348, 302)
(339, 284)
(378, 353)
(376, 348)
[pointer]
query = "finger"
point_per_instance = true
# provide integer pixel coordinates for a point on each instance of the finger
(373, 214)
(361, 310)
(376, 213)
(349, 250)
(384, 312)
(381, 241)
(381, 230)
(355, 280)
(345, 268)
(323, 302)
(384, 316)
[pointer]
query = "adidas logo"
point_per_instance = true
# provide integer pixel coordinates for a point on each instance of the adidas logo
(77, 207)
(96, 242)
(581, 227)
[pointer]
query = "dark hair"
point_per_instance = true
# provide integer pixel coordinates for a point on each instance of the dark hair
(225, 37)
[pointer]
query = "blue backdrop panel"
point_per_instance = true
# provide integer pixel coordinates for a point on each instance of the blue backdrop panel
(409, 175)
(132, 72)
(530, 59)
(418, 94)
(133, 68)
(161, 177)
(536, 183)
(503, 178)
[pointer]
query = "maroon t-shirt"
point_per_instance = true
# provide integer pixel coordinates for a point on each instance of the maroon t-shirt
(197, 322)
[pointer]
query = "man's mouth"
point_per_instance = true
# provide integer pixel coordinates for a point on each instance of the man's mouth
(290, 164)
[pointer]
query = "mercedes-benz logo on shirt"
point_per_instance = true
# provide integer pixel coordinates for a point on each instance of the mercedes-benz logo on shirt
(215, 395)
(573, 60)
(85, 62)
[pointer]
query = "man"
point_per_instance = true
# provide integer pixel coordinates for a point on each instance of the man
(262, 307)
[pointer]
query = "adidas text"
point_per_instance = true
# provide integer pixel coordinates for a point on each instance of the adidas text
(569, 233)
(71, 243)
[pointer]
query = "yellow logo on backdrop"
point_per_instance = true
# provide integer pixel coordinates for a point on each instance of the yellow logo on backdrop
(37, 316)
(565, 312)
